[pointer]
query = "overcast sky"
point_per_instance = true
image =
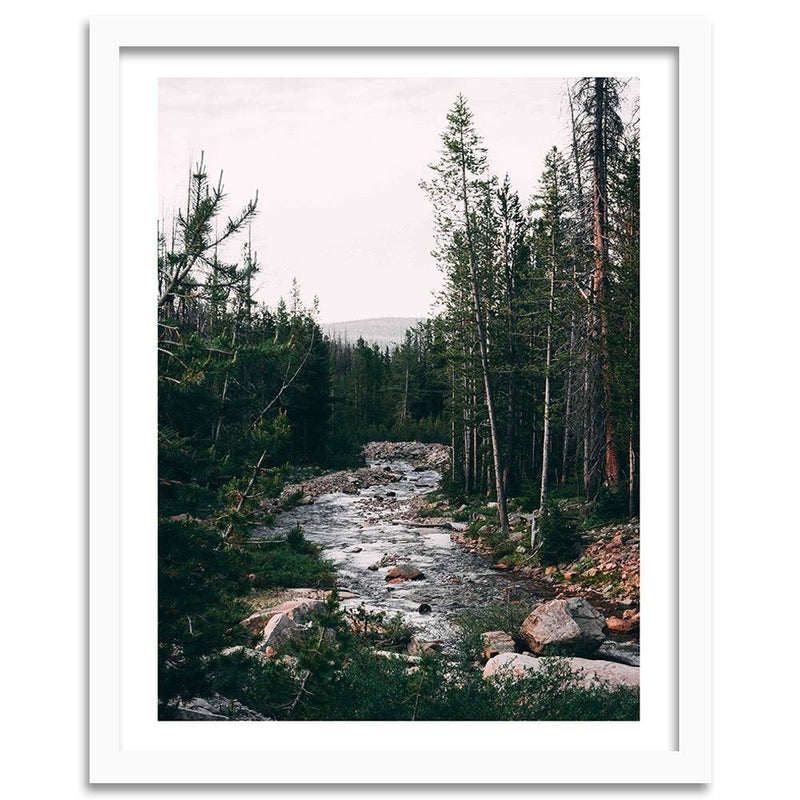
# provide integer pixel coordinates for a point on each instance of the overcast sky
(337, 163)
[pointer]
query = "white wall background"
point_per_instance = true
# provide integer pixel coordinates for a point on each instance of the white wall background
(42, 469)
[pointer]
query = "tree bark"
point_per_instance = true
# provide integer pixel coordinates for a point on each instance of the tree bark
(480, 324)
(600, 280)
(546, 413)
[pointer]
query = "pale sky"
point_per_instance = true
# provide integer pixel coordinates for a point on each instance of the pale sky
(337, 163)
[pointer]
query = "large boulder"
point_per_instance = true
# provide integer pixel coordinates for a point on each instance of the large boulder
(299, 610)
(515, 665)
(512, 665)
(566, 627)
(405, 572)
(256, 622)
(611, 672)
(280, 629)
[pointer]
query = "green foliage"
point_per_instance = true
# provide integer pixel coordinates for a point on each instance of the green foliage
(389, 394)
(340, 677)
(296, 540)
(296, 562)
(608, 507)
(557, 535)
(474, 528)
(200, 580)
(387, 632)
(452, 489)
(494, 617)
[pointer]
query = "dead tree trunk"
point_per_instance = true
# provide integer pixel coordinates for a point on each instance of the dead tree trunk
(546, 410)
(600, 280)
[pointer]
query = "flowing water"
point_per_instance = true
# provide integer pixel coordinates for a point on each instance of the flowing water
(355, 532)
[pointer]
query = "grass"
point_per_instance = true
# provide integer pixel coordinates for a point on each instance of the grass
(506, 617)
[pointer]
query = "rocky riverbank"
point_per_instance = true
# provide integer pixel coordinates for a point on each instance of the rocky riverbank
(418, 455)
(423, 578)
(605, 571)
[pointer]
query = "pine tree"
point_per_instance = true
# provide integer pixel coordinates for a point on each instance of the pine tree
(458, 190)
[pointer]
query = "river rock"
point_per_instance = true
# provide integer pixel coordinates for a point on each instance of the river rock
(256, 623)
(417, 647)
(386, 560)
(618, 625)
(622, 652)
(216, 709)
(610, 671)
(512, 665)
(300, 610)
(424, 608)
(570, 625)
(280, 629)
(405, 572)
(417, 454)
(248, 652)
(515, 665)
(495, 642)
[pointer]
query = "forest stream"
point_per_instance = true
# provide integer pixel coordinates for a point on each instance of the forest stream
(357, 530)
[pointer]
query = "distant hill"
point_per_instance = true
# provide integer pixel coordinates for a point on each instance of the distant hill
(383, 331)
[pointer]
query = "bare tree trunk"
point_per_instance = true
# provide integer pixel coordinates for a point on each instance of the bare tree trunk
(546, 413)
(631, 471)
(480, 324)
(469, 452)
(476, 450)
(568, 400)
(612, 469)
(588, 415)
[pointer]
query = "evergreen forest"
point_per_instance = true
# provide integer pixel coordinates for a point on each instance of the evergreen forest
(527, 370)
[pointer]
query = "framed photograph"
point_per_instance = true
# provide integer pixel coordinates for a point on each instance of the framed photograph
(393, 459)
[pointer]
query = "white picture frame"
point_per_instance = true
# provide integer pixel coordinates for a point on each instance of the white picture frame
(127, 749)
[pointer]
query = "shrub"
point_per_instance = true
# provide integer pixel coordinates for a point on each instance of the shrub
(495, 617)
(200, 578)
(357, 684)
(451, 488)
(610, 507)
(296, 540)
(340, 677)
(557, 535)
